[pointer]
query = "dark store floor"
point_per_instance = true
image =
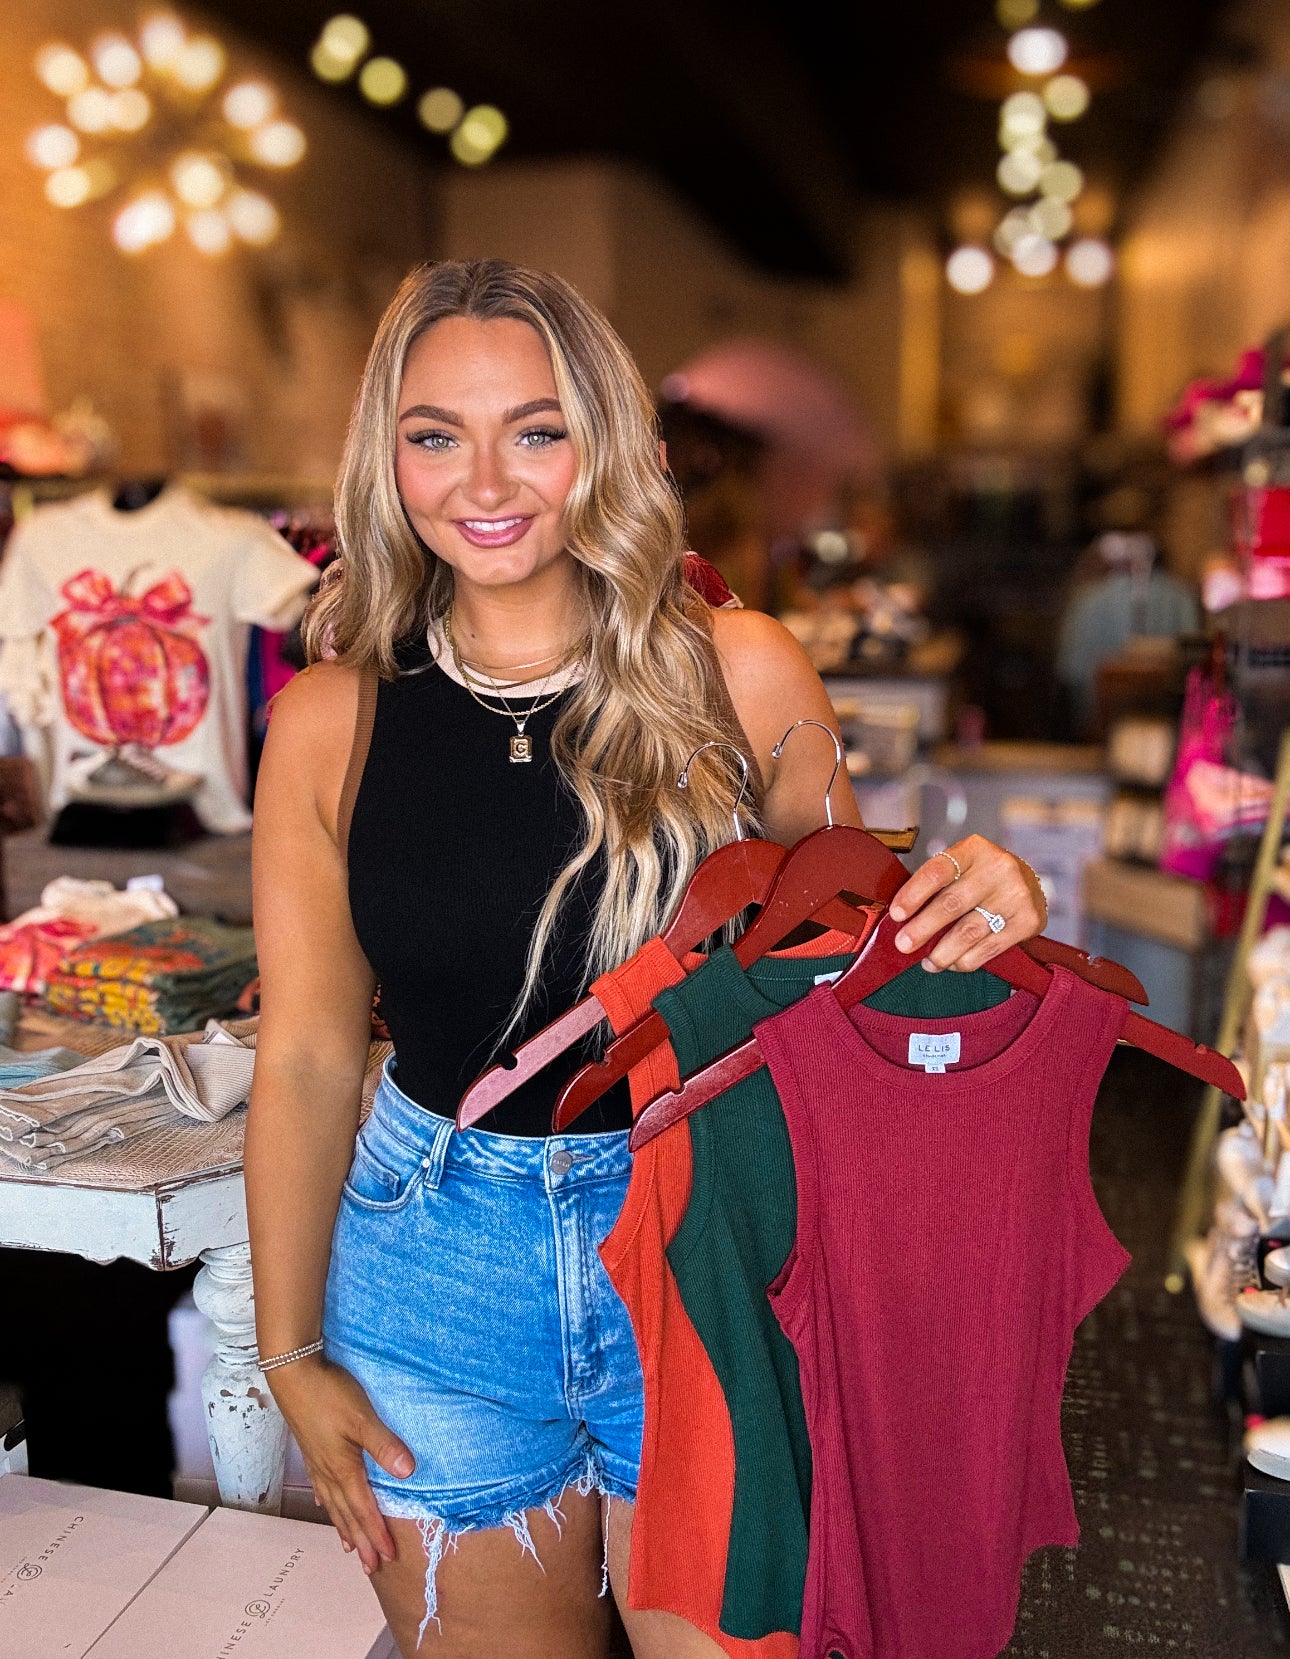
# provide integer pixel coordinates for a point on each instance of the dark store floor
(1154, 1462)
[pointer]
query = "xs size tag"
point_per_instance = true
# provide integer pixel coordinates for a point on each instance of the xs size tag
(933, 1051)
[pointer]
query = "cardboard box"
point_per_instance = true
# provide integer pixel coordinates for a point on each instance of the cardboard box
(254, 1587)
(1170, 909)
(73, 1557)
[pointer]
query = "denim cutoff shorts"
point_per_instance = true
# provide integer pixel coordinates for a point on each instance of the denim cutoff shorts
(467, 1295)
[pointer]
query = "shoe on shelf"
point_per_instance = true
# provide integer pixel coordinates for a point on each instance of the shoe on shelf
(1222, 1265)
(1265, 1311)
(1267, 1445)
(1238, 1156)
(1276, 1266)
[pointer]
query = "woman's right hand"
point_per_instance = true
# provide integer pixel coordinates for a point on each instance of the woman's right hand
(334, 1424)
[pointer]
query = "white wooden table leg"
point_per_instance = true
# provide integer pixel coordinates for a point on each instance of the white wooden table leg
(247, 1432)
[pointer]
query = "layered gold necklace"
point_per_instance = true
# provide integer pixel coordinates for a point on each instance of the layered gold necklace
(521, 744)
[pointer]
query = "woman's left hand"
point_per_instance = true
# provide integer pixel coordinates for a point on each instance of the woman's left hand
(935, 895)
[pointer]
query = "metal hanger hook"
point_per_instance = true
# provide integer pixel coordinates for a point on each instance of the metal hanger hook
(683, 782)
(838, 758)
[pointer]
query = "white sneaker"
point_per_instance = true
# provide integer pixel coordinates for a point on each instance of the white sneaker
(1276, 1266)
(1222, 1265)
(1265, 1311)
(1267, 1445)
(1238, 1156)
(1270, 958)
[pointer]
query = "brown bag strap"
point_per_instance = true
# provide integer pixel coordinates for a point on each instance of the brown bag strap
(364, 720)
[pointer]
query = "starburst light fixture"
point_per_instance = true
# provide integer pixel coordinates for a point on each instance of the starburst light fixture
(158, 122)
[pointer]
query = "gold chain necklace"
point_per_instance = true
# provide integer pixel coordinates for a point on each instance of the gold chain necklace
(521, 745)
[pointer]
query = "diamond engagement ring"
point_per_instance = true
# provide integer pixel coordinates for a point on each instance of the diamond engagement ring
(954, 861)
(997, 923)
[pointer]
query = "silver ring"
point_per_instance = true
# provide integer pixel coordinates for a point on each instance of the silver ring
(958, 871)
(996, 921)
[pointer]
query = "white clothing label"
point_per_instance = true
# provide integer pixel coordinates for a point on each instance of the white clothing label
(149, 884)
(933, 1051)
(827, 979)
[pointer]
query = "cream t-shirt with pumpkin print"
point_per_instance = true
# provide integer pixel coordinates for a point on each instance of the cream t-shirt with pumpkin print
(132, 628)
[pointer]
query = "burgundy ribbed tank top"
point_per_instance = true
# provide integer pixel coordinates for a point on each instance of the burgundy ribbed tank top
(948, 1244)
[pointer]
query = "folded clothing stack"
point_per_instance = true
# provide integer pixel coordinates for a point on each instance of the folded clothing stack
(166, 976)
(69, 912)
(118, 1095)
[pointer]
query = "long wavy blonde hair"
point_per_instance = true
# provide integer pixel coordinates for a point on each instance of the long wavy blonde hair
(652, 692)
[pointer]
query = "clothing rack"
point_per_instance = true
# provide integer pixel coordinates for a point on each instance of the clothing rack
(1193, 1198)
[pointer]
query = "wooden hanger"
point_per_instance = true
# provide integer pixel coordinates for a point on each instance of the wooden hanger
(881, 962)
(727, 881)
(839, 856)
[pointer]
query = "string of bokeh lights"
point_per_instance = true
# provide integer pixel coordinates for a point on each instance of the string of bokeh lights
(1031, 170)
(145, 117)
(342, 51)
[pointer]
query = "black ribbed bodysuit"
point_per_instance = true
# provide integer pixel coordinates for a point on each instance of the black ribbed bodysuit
(452, 849)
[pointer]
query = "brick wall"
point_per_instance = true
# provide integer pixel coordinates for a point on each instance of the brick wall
(282, 330)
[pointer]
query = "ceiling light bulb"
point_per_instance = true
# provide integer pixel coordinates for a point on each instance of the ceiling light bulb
(117, 62)
(1051, 218)
(440, 109)
(91, 110)
(1015, 14)
(1022, 116)
(253, 217)
(1014, 226)
(1034, 256)
(482, 132)
(328, 68)
(68, 187)
(1037, 51)
(248, 104)
(278, 144)
(1061, 179)
(62, 71)
(162, 38)
(198, 181)
(1078, 5)
(345, 39)
(131, 110)
(1066, 97)
(1018, 172)
(969, 270)
(52, 146)
(1089, 262)
(209, 232)
(144, 222)
(382, 81)
(199, 64)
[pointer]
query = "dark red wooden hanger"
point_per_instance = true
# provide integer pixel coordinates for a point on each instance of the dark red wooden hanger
(729, 880)
(881, 962)
(836, 858)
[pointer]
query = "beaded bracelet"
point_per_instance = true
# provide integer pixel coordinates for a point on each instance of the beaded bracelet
(291, 1354)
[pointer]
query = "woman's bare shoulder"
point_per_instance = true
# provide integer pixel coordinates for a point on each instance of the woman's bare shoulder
(318, 698)
(312, 721)
(764, 666)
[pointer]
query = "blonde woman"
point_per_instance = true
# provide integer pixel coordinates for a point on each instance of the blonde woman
(497, 824)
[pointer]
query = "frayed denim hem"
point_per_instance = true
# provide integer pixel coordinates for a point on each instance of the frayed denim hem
(438, 1535)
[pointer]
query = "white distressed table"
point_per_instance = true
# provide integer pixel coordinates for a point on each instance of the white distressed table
(165, 1199)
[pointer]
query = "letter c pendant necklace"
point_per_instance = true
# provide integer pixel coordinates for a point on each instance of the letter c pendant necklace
(521, 745)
